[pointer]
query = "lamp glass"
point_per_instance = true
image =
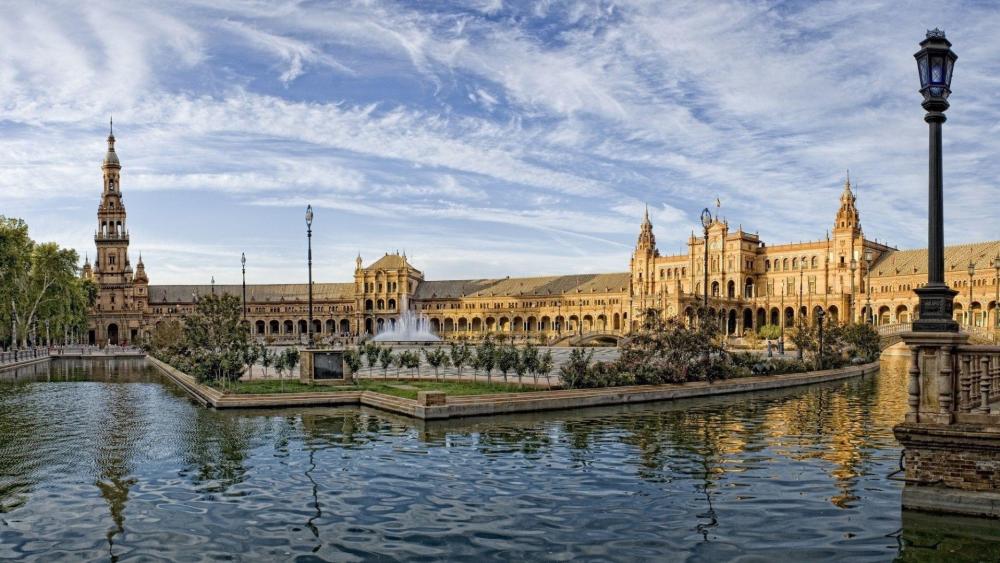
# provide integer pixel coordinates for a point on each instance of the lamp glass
(309, 215)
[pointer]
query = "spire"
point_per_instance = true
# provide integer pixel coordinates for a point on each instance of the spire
(646, 241)
(111, 158)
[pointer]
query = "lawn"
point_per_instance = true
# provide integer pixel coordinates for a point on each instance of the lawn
(399, 388)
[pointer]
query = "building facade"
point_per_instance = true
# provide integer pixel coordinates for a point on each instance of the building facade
(749, 284)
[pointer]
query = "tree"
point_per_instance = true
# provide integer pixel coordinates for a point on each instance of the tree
(530, 362)
(250, 356)
(280, 365)
(352, 358)
(292, 357)
(507, 359)
(805, 337)
(460, 355)
(545, 365)
(386, 359)
(411, 361)
(770, 332)
(372, 354)
(668, 351)
(267, 358)
(486, 357)
(437, 359)
(215, 338)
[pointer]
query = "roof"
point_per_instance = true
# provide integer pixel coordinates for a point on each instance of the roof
(255, 293)
(509, 287)
(956, 259)
(391, 262)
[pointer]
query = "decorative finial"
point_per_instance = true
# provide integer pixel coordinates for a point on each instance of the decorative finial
(935, 33)
(112, 126)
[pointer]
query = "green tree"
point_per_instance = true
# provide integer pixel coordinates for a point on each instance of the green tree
(411, 360)
(352, 358)
(386, 358)
(545, 365)
(486, 357)
(215, 339)
(437, 359)
(529, 363)
(770, 332)
(372, 354)
(267, 358)
(507, 358)
(460, 355)
(280, 365)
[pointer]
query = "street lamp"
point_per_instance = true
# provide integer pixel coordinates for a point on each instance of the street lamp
(243, 262)
(802, 271)
(706, 222)
(935, 62)
(868, 287)
(972, 273)
(309, 235)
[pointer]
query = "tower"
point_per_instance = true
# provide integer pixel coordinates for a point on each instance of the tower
(643, 262)
(117, 315)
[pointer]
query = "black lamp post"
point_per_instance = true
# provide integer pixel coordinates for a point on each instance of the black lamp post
(243, 262)
(935, 62)
(819, 319)
(972, 273)
(706, 222)
(870, 317)
(309, 235)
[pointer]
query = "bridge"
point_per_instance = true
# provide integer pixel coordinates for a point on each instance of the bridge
(592, 338)
(891, 334)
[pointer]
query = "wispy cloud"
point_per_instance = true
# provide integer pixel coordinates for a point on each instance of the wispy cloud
(460, 129)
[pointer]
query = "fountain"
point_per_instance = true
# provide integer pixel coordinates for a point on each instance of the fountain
(410, 327)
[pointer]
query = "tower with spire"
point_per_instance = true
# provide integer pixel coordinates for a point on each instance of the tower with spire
(121, 292)
(643, 262)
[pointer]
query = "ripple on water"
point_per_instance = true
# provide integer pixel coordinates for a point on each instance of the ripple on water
(107, 459)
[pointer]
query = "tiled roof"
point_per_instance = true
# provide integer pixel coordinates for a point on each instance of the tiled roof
(390, 262)
(255, 293)
(546, 285)
(956, 259)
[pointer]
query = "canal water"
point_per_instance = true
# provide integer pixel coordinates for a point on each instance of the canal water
(106, 461)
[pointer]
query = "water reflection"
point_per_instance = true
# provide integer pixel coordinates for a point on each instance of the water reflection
(766, 475)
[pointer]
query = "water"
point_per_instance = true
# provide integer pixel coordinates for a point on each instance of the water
(409, 327)
(105, 461)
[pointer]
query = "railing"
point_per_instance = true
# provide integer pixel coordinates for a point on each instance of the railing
(23, 355)
(977, 369)
(893, 329)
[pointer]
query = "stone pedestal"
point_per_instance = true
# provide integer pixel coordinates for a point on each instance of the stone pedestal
(324, 367)
(932, 384)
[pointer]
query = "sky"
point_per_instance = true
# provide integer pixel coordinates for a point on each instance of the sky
(483, 138)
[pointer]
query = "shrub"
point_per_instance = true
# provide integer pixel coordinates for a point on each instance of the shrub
(770, 332)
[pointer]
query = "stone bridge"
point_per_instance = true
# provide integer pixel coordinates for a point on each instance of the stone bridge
(593, 338)
(891, 334)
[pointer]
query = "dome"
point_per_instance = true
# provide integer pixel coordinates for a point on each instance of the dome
(111, 157)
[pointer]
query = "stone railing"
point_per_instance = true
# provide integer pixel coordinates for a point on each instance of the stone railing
(23, 354)
(893, 329)
(978, 370)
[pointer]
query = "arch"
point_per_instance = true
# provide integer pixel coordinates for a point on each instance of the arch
(392, 304)
(113, 334)
(369, 326)
(289, 327)
(303, 326)
(588, 323)
(731, 289)
(532, 324)
(517, 325)
(747, 319)
(259, 327)
(767, 265)
(435, 326)
(602, 323)
(477, 324)
(574, 323)
(345, 327)
(490, 324)
(331, 326)
(833, 314)
(689, 315)
(369, 305)
(379, 325)
(317, 326)
(883, 315)
(775, 316)
(815, 314)
(616, 322)
(275, 327)
(380, 305)
(789, 316)
(902, 314)
(463, 324)
(560, 323)
(761, 318)
(748, 288)
(976, 314)
(715, 289)
(504, 324)
(731, 326)
(803, 313)
(449, 325)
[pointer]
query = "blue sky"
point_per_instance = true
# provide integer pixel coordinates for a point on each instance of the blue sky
(484, 138)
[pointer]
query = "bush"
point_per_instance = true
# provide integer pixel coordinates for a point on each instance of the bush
(770, 332)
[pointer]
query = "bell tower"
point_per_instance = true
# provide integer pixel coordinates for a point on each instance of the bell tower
(643, 262)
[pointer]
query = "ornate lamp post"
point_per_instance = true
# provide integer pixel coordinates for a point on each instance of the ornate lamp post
(802, 271)
(935, 62)
(706, 222)
(996, 281)
(870, 317)
(972, 273)
(309, 236)
(243, 262)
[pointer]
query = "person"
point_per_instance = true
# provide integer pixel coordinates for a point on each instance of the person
(770, 351)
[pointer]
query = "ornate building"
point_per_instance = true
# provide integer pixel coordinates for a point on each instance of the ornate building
(750, 284)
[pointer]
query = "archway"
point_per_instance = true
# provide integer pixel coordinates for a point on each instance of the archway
(289, 327)
(113, 334)
(883, 315)
(275, 327)
(834, 314)
(902, 314)
(747, 319)
(345, 326)
(731, 326)
(92, 337)
(368, 326)
(731, 289)
(260, 326)
(775, 316)
(303, 326)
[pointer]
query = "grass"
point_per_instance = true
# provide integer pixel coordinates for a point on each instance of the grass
(407, 389)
